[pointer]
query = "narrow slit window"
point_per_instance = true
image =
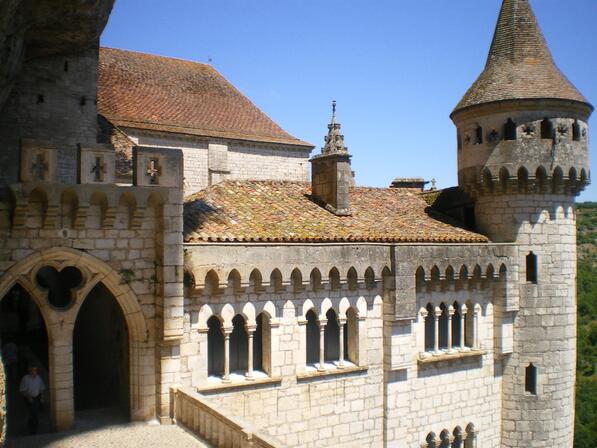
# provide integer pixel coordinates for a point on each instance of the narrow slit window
(530, 379)
(531, 268)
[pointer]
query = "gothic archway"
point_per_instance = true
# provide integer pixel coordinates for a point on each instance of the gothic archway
(100, 354)
(60, 323)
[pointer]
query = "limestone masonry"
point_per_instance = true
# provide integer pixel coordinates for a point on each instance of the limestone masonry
(162, 239)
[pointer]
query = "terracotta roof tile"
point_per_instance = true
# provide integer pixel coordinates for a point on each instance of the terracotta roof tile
(519, 65)
(264, 211)
(171, 95)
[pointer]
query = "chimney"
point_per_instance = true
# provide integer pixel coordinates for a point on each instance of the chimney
(416, 183)
(331, 174)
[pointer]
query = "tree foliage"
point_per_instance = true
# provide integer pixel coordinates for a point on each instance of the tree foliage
(586, 366)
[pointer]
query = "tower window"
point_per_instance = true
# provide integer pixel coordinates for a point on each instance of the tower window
(576, 131)
(532, 268)
(479, 135)
(546, 129)
(510, 130)
(469, 218)
(530, 379)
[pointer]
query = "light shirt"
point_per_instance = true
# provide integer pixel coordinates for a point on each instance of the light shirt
(32, 386)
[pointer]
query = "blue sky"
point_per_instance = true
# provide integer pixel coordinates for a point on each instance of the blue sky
(396, 67)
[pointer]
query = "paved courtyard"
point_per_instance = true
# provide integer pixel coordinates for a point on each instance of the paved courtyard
(96, 430)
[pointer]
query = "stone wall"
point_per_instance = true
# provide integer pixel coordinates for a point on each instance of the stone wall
(114, 235)
(406, 396)
(545, 327)
(449, 390)
(301, 407)
(53, 102)
(209, 161)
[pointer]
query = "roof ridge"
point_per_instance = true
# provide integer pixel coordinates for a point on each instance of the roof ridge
(169, 94)
(159, 56)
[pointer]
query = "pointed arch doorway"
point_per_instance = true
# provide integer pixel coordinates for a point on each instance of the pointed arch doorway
(101, 357)
(24, 341)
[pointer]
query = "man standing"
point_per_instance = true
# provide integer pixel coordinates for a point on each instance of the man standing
(32, 388)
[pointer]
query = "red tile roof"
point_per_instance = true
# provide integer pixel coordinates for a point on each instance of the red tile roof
(262, 211)
(144, 91)
(519, 65)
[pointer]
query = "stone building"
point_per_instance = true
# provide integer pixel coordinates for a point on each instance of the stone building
(169, 247)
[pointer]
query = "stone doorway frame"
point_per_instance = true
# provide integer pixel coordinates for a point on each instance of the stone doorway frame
(60, 325)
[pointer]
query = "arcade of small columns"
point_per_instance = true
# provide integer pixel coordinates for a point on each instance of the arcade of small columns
(350, 321)
(432, 316)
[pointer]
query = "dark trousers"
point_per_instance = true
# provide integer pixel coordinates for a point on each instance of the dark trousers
(33, 408)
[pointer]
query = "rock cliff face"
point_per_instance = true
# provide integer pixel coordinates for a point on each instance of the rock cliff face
(32, 29)
(2, 405)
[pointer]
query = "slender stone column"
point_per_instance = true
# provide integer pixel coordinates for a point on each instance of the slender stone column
(462, 326)
(322, 324)
(437, 315)
(227, 332)
(341, 323)
(424, 315)
(477, 311)
(451, 312)
(250, 332)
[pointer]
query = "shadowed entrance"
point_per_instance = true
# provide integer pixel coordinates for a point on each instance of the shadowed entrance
(100, 354)
(24, 342)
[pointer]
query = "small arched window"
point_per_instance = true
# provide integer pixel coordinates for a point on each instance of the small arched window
(531, 265)
(471, 436)
(530, 379)
(352, 279)
(430, 329)
(215, 347)
(262, 344)
(576, 132)
(296, 278)
(510, 130)
(443, 327)
(351, 337)
(332, 337)
(239, 345)
(275, 281)
(334, 277)
(456, 325)
(479, 135)
(315, 280)
(469, 325)
(370, 282)
(312, 338)
(546, 129)
(256, 281)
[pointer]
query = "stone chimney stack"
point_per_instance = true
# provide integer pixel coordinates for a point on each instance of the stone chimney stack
(331, 176)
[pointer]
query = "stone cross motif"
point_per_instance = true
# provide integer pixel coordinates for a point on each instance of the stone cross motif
(433, 183)
(40, 166)
(528, 130)
(98, 169)
(154, 171)
(494, 136)
(561, 133)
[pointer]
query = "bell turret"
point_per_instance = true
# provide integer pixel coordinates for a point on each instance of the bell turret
(331, 176)
(522, 126)
(523, 158)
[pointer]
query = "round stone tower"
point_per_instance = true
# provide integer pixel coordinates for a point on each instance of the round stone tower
(523, 158)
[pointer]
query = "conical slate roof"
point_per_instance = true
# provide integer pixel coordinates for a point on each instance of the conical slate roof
(520, 65)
